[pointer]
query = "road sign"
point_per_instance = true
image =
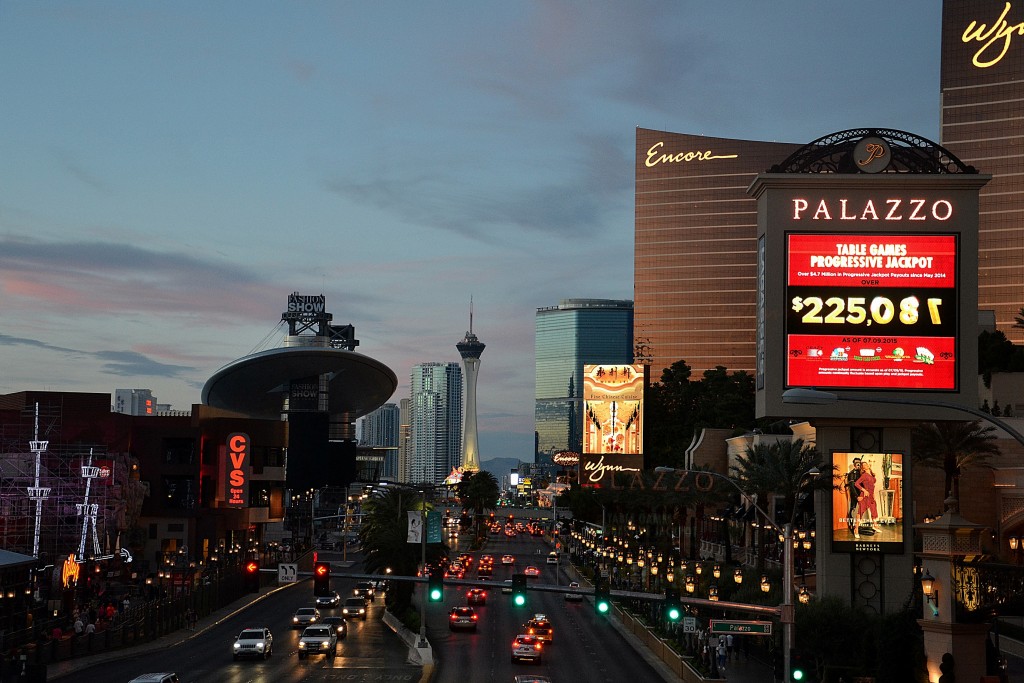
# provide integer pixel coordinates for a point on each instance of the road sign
(759, 628)
(689, 624)
(287, 572)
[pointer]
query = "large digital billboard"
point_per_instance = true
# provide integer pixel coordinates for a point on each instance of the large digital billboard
(612, 421)
(867, 502)
(872, 311)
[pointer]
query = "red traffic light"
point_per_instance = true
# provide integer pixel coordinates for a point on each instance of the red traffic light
(322, 569)
(252, 567)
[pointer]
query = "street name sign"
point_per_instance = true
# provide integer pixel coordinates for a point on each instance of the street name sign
(760, 628)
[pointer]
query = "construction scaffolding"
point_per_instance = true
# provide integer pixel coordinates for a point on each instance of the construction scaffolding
(55, 498)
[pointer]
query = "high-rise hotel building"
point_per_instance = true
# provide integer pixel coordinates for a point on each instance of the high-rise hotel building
(436, 417)
(982, 85)
(695, 251)
(574, 333)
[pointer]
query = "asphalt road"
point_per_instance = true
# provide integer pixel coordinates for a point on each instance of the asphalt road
(585, 646)
(371, 652)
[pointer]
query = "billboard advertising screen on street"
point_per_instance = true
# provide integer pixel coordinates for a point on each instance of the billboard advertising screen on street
(867, 502)
(872, 311)
(613, 409)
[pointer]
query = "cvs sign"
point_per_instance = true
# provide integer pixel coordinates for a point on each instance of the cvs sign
(236, 480)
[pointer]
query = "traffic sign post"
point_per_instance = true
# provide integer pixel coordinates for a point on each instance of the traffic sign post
(752, 628)
(287, 572)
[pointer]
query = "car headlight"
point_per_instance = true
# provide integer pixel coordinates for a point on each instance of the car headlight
(302, 645)
(237, 646)
(259, 646)
(295, 620)
(325, 644)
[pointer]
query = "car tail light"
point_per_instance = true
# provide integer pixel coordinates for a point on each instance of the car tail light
(536, 646)
(531, 632)
(475, 617)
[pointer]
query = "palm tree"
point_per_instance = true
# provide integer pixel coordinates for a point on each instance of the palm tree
(478, 492)
(953, 447)
(384, 539)
(779, 468)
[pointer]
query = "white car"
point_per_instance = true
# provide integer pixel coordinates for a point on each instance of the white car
(506, 586)
(552, 558)
(320, 639)
(156, 678)
(572, 595)
(253, 642)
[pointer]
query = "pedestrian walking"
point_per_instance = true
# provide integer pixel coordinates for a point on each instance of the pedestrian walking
(721, 654)
(729, 646)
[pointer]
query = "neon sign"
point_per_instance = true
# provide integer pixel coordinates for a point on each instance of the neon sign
(237, 480)
(655, 156)
(997, 36)
(69, 571)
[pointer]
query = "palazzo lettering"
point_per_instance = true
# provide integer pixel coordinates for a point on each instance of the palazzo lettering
(891, 210)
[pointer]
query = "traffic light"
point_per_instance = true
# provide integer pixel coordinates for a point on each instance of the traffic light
(252, 576)
(602, 598)
(673, 609)
(797, 671)
(519, 589)
(435, 586)
(321, 578)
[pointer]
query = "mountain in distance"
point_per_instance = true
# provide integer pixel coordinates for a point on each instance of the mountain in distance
(500, 467)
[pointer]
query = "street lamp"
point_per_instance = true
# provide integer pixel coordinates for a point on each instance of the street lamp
(786, 536)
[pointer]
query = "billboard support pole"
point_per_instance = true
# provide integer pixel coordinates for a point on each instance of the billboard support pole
(816, 397)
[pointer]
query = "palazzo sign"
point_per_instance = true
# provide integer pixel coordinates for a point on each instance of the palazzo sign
(866, 282)
(238, 466)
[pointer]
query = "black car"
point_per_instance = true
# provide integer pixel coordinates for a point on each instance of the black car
(338, 623)
(330, 600)
(365, 590)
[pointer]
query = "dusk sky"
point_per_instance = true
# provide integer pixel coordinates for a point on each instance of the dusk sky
(172, 171)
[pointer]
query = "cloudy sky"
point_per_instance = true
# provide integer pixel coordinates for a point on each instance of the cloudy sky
(171, 171)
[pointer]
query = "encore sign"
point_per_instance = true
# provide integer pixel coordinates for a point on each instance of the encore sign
(236, 487)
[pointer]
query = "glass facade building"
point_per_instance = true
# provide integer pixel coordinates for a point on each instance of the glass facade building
(574, 333)
(381, 430)
(436, 415)
(982, 86)
(695, 249)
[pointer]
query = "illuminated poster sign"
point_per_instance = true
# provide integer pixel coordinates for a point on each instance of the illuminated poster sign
(612, 421)
(236, 481)
(613, 409)
(867, 502)
(872, 310)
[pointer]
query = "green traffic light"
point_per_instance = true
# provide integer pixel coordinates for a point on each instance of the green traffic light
(602, 606)
(519, 600)
(435, 595)
(798, 675)
(673, 614)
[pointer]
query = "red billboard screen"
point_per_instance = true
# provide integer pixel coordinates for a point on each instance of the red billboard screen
(872, 311)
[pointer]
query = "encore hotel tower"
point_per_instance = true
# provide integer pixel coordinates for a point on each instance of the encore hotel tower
(695, 260)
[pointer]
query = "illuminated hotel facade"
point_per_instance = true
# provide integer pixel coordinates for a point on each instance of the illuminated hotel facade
(695, 249)
(982, 84)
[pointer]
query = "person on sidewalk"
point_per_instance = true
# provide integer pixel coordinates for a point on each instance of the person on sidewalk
(729, 646)
(721, 654)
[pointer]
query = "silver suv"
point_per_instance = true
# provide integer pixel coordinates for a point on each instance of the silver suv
(253, 642)
(318, 640)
